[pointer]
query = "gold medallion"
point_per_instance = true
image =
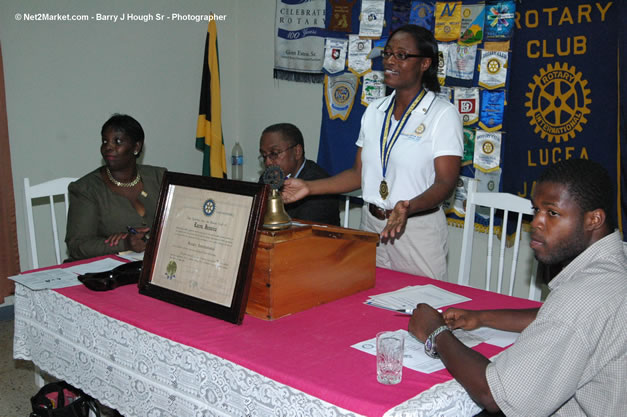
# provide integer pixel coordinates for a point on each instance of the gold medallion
(383, 189)
(420, 129)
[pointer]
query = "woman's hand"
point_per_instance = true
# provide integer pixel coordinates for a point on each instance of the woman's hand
(115, 238)
(137, 241)
(294, 189)
(397, 221)
(456, 318)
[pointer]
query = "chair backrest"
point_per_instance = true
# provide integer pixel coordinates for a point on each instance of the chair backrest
(47, 189)
(509, 203)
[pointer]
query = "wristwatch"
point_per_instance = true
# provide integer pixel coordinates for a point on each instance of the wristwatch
(430, 342)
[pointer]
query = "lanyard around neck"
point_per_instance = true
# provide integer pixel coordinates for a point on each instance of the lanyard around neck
(386, 144)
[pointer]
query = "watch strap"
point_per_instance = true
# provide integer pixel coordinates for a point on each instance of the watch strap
(430, 342)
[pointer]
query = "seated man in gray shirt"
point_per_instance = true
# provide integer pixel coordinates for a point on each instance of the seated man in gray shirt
(282, 144)
(571, 357)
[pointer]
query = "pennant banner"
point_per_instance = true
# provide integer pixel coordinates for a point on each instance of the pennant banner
(299, 42)
(209, 127)
(564, 91)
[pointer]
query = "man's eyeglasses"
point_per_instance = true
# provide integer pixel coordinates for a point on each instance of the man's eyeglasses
(274, 154)
(401, 56)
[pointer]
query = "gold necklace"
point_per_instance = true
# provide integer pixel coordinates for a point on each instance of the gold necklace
(123, 184)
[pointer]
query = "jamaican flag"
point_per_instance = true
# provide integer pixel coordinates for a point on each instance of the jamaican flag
(209, 129)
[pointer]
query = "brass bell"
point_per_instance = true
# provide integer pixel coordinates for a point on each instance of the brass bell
(276, 218)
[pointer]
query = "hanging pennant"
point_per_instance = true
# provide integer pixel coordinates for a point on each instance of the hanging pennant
(400, 13)
(299, 40)
(339, 94)
(473, 17)
(443, 49)
(448, 19)
(456, 203)
(489, 182)
(372, 88)
(492, 110)
(493, 69)
(469, 146)
(461, 63)
(496, 46)
(341, 12)
(446, 93)
(500, 19)
(335, 55)
(467, 103)
(487, 151)
(371, 18)
(358, 50)
(377, 47)
(421, 14)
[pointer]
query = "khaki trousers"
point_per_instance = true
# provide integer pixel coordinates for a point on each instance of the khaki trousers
(420, 250)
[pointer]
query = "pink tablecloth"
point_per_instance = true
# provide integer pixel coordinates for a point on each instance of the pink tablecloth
(309, 351)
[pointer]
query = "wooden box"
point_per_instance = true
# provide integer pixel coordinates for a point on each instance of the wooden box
(305, 266)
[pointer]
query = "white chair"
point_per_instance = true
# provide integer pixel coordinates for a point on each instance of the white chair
(495, 201)
(355, 195)
(47, 189)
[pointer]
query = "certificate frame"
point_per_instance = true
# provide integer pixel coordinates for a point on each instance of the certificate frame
(180, 186)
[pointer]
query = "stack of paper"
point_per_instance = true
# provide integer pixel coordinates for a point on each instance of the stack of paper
(407, 298)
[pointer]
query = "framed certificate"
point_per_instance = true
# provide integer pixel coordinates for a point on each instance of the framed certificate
(202, 251)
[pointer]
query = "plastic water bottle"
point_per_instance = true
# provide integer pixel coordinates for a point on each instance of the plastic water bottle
(237, 162)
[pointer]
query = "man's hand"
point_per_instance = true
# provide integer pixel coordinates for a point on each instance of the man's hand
(396, 222)
(424, 321)
(294, 189)
(456, 318)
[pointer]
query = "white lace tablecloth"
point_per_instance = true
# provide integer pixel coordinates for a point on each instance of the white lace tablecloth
(142, 374)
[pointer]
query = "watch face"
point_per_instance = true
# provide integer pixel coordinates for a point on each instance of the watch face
(429, 346)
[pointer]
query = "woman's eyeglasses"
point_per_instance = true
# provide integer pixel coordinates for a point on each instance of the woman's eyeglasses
(274, 154)
(401, 56)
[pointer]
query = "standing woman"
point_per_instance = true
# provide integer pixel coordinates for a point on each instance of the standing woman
(408, 160)
(113, 207)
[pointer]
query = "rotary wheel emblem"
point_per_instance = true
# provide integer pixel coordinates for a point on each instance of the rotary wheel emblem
(493, 66)
(558, 102)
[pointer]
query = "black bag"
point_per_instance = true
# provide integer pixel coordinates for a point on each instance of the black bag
(60, 399)
(124, 274)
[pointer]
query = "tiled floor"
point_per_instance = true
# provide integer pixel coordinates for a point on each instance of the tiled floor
(17, 380)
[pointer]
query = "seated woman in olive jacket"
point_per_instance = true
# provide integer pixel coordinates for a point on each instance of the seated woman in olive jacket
(113, 207)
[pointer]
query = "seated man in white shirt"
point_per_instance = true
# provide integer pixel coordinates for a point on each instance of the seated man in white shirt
(282, 144)
(571, 357)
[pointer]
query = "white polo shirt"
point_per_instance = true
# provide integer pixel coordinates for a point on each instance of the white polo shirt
(434, 129)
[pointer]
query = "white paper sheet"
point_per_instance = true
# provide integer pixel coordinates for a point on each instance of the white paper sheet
(495, 337)
(63, 277)
(414, 356)
(132, 256)
(409, 297)
(52, 278)
(96, 266)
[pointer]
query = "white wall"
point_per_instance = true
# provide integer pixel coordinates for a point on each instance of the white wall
(64, 79)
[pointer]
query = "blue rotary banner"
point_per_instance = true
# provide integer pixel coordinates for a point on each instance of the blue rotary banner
(564, 94)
